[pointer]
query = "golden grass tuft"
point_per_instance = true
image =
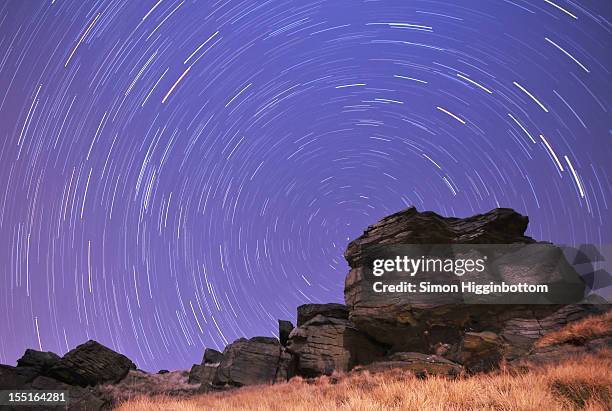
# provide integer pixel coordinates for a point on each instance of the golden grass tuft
(579, 332)
(584, 383)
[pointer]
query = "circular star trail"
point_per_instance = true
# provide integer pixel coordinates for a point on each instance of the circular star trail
(175, 174)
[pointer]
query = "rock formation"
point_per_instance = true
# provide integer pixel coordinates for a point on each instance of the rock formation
(405, 323)
(91, 363)
(249, 362)
(88, 365)
(205, 372)
(323, 345)
(371, 332)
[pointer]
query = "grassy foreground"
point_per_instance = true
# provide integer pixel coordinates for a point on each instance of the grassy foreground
(584, 383)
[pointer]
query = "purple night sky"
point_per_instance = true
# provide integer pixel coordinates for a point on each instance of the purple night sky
(175, 174)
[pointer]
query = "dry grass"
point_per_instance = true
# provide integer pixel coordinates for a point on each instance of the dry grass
(584, 383)
(138, 383)
(580, 332)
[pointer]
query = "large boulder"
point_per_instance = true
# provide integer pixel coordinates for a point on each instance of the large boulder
(249, 362)
(323, 345)
(409, 322)
(204, 373)
(306, 312)
(91, 363)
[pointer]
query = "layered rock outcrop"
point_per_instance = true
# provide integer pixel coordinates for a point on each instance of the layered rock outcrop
(91, 363)
(204, 372)
(426, 336)
(79, 372)
(249, 362)
(324, 344)
(407, 322)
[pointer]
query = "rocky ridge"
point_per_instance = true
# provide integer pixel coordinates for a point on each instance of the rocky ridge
(367, 333)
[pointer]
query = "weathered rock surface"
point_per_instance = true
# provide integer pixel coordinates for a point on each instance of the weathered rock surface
(332, 310)
(249, 362)
(286, 366)
(405, 323)
(202, 373)
(91, 363)
(284, 329)
(498, 226)
(323, 345)
(421, 365)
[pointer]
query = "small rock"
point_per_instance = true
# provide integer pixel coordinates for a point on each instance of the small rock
(284, 329)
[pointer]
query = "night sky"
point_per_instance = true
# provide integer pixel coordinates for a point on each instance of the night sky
(176, 174)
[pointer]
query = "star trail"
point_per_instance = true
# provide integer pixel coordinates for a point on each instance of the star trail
(176, 174)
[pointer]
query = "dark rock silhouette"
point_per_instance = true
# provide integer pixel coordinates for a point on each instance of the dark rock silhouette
(284, 329)
(39, 360)
(91, 363)
(87, 365)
